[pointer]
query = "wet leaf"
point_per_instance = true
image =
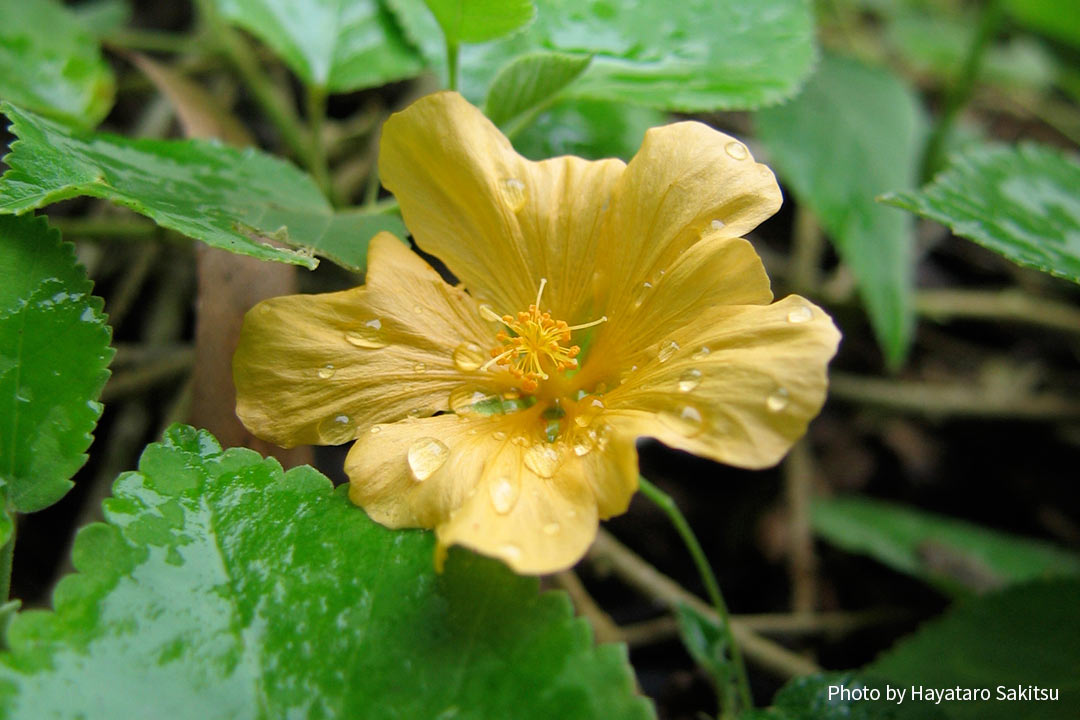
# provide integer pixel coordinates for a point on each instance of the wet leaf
(340, 46)
(1020, 202)
(854, 133)
(51, 63)
(231, 199)
(221, 587)
(1020, 637)
(54, 351)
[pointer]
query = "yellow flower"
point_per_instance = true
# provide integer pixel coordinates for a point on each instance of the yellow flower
(599, 302)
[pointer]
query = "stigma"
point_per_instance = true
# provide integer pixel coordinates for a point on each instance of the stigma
(533, 344)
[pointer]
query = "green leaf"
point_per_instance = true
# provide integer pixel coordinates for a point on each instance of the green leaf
(50, 63)
(705, 641)
(587, 128)
(340, 46)
(951, 554)
(688, 56)
(102, 17)
(1020, 202)
(473, 21)
(54, 351)
(529, 81)
(854, 133)
(231, 199)
(1049, 17)
(221, 587)
(837, 696)
(1020, 637)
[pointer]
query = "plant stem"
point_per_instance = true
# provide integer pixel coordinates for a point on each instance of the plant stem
(316, 117)
(452, 64)
(241, 56)
(712, 588)
(960, 92)
(7, 556)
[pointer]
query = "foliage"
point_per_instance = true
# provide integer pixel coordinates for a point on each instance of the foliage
(222, 587)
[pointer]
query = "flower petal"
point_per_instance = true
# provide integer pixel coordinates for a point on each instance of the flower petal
(686, 181)
(738, 385)
(531, 503)
(717, 271)
(322, 368)
(499, 222)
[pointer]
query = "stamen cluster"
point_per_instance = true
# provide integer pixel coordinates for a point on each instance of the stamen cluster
(538, 344)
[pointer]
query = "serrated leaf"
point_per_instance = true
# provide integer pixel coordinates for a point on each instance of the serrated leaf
(221, 587)
(529, 81)
(951, 554)
(1020, 202)
(587, 128)
(50, 63)
(689, 56)
(340, 46)
(1020, 637)
(473, 21)
(54, 351)
(852, 134)
(231, 199)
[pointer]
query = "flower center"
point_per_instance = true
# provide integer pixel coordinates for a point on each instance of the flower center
(536, 344)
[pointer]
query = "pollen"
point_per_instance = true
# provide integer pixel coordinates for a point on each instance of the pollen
(534, 344)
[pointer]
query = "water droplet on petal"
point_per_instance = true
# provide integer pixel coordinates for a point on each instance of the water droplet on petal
(468, 357)
(800, 314)
(716, 224)
(542, 459)
(668, 349)
(503, 495)
(736, 150)
(514, 190)
(337, 429)
(418, 309)
(552, 528)
(368, 335)
(643, 294)
(419, 367)
(587, 409)
(510, 551)
(689, 380)
(583, 446)
(686, 421)
(326, 371)
(702, 353)
(778, 400)
(499, 435)
(375, 429)
(425, 456)
(520, 441)
(465, 398)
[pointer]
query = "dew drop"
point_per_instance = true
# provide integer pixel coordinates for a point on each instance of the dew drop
(736, 150)
(418, 309)
(583, 446)
(326, 371)
(465, 398)
(587, 410)
(468, 357)
(668, 349)
(425, 456)
(778, 400)
(687, 421)
(542, 459)
(499, 435)
(368, 335)
(689, 380)
(503, 495)
(419, 367)
(716, 224)
(800, 314)
(552, 528)
(510, 551)
(643, 294)
(337, 429)
(520, 441)
(514, 190)
(375, 429)
(702, 353)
